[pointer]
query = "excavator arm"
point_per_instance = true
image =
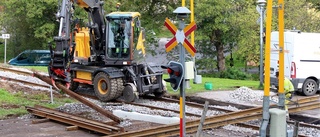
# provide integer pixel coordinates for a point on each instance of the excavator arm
(63, 50)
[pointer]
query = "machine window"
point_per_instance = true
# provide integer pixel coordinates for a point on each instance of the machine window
(119, 35)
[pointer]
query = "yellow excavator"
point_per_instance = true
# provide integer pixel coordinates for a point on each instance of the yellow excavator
(107, 55)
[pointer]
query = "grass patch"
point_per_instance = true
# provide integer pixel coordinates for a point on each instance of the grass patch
(217, 84)
(14, 103)
(14, 111)
(36, 68)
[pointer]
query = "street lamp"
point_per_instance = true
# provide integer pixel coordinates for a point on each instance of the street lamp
(261, 4)
(265, 115)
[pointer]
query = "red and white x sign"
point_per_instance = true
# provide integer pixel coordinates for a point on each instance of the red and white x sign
(180, 36)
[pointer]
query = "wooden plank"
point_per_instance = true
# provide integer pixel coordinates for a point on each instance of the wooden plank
(72, 128)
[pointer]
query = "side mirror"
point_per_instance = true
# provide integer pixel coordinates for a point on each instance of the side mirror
(138, 24)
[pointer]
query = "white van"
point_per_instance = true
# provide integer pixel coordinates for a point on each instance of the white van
(301, 60)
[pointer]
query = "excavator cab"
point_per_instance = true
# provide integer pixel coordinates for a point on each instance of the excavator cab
(123, 31)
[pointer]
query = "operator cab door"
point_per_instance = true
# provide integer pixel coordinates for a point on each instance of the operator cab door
(138, 41)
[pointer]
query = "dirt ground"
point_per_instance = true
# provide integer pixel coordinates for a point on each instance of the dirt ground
(15, 127)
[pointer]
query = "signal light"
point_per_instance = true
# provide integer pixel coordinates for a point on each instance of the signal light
(176, 73)
(169, 71)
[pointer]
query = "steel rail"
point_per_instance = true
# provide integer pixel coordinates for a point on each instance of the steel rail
(16, 71)
(25, 82)
(198, 105)
(74, 120)
(155, 107)
(211, 122)
(313, 98)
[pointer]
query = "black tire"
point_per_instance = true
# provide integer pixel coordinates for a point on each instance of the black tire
(73, 85)
(309, 87)
(159, 93)
(107, 89)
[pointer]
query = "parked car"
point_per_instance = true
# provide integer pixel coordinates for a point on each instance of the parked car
(31, 58)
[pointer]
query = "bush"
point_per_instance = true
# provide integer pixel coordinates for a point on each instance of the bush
(234, 73)
(211, 74)
(255, 76)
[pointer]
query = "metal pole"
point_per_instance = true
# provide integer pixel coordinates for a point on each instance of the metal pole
(183, 82)
(266, 97)
(192, 41)
(182, 86)
(5, 50)
(203, 116)
(51, 96)
(281, 54)
(261, 43)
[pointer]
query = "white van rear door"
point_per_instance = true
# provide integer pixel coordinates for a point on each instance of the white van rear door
(274, 58)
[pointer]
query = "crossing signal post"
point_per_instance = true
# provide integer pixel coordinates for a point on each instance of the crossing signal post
(180, 38)
(176, 73)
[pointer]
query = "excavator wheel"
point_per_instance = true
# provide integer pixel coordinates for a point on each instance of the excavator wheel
(107, 89)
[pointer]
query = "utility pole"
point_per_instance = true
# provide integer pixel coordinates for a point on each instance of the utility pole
(260, 6)
(266, 97)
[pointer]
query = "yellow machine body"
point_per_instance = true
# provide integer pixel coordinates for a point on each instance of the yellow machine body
(82, 39)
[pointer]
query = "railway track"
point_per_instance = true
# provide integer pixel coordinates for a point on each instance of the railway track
(16, 71)
(24, 73)
(200, 106)
(211, 122)
(191, 126)
(24, 82)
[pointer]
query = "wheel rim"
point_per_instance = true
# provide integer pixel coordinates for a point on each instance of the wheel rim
(103, 86)
(310, 88)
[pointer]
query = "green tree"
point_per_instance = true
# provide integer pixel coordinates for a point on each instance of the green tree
(315, 4)
(222, 25)
(31, 23)
(153, 12)
(225, 26)
(301, 16)
(246, 32)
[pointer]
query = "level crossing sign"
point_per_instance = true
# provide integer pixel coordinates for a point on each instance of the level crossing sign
(180, 36)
